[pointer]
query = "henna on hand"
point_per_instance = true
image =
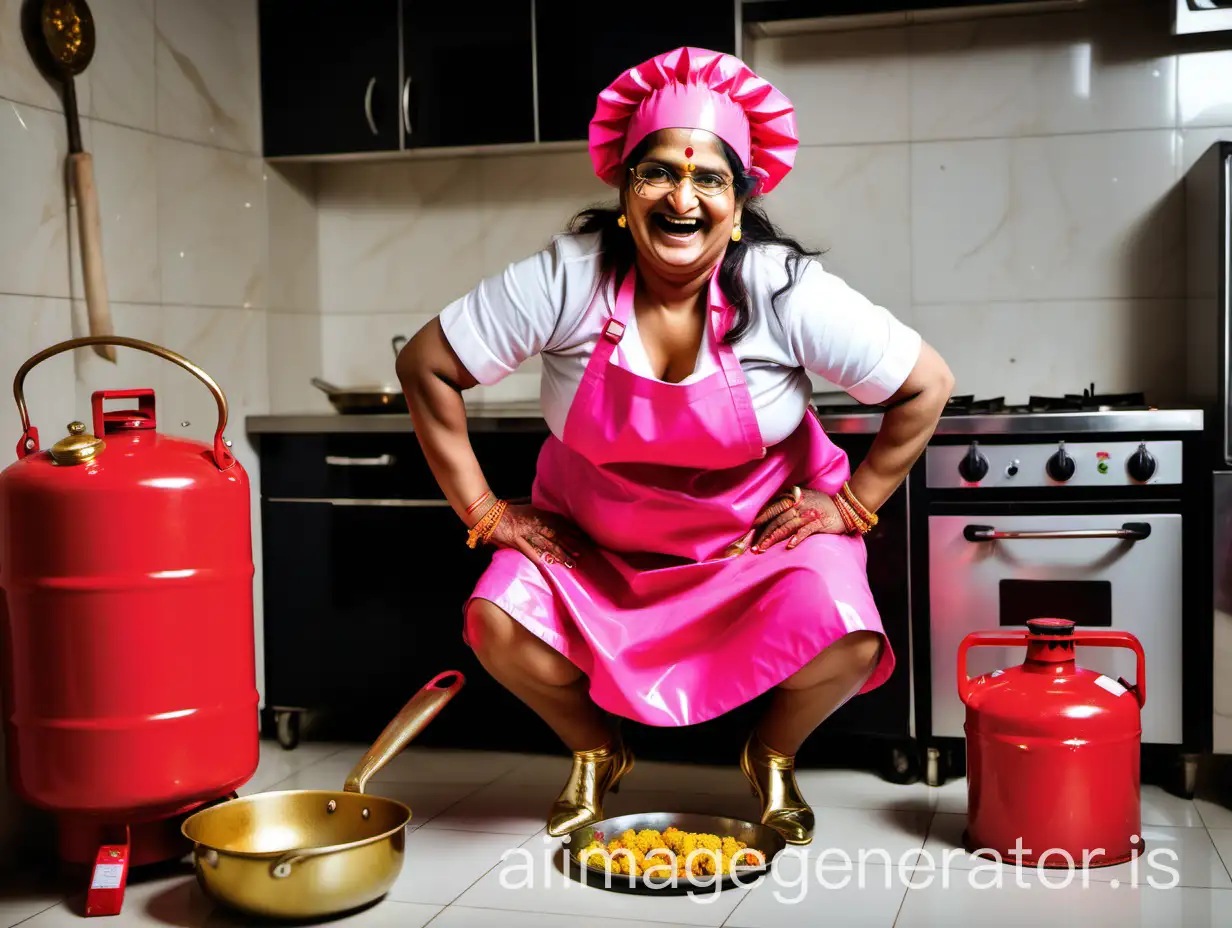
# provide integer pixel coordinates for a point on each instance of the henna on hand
(814, 512)
(539, 535)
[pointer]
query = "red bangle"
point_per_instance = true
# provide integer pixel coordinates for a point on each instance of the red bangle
(471, 508)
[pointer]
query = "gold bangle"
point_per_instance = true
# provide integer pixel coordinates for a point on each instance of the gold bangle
(482, 530)
(850, 516)
(861, 510)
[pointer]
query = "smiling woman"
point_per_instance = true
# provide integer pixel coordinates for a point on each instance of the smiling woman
(693, 539)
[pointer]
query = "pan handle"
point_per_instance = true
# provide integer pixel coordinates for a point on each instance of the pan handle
(414, 718)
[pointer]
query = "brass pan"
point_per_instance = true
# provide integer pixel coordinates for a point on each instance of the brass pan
(314, 853)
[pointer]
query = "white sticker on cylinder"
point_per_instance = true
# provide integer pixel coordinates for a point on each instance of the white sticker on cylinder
(107, 876)
(1110, 685)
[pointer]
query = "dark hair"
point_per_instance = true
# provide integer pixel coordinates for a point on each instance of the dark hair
(620, 252)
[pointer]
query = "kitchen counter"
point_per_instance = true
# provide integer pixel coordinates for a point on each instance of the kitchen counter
(860, 420)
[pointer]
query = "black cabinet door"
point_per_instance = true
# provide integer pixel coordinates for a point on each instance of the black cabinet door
(574, 65)
(469, 78)
(329, 77)
(361, 601)
(363, 606)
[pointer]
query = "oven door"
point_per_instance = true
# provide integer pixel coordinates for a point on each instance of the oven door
(1130, 580)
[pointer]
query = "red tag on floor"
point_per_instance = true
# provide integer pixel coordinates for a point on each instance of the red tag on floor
(108, 880)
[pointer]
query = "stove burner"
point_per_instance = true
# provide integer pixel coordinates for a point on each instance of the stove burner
(1087, 401)
(969, 405)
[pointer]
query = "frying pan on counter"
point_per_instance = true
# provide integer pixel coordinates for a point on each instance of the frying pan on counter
(366, 399)
(313, 853)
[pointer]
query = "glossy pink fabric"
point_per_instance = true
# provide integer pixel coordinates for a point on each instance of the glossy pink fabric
(693, 88)
(662, 478)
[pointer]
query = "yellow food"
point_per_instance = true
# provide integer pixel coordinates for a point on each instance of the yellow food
(672, 852)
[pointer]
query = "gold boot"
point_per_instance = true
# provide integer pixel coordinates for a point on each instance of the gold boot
(594, 773)
(773, 780)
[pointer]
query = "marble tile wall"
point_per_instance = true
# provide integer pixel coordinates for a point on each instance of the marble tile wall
(1010, 186)
(170, 113)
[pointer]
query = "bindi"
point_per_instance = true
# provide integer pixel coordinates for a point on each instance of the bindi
(690, 166)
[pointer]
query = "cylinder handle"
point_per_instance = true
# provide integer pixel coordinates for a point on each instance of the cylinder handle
(28, 444)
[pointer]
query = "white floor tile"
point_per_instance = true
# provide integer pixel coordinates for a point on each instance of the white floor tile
(806, 890)
(276, 764)
(882, 836)
(440, 865)
(424, 765)
(16, 910)
(163, 900)
(1214, 814)
(503, 807)
(980, 898)
(1187, 851)
(1222, 839)
(739, 805)
(860, 789)
(458, 916)
(1159, 807)
(534, 882)
(950, 796)
(23, 895)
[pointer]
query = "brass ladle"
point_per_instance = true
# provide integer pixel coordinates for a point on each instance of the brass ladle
(59, 35)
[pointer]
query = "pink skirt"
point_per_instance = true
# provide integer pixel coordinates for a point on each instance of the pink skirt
(669, 639)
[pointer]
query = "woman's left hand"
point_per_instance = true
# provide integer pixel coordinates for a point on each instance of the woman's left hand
(792, 515)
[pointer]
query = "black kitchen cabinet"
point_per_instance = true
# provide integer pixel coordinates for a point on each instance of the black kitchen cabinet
(397, 75)
(389, 75)
(329, 77)
(574, 67)
(469, 78)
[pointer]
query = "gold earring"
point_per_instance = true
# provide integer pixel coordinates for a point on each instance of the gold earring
(622, 221)
(736, 234)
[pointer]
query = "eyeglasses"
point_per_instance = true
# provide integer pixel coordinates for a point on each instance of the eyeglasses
(652, 181)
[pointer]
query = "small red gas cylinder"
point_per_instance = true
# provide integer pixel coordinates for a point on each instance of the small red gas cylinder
(126, 622)
(1071, 731)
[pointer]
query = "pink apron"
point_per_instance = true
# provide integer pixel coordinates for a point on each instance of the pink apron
(662, 478)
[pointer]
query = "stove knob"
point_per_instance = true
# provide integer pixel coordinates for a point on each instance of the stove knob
(1141, 465)
(974, 466)
(1060, 466)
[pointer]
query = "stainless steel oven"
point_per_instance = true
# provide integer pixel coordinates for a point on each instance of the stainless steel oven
(1095, 515)
(1115, 569)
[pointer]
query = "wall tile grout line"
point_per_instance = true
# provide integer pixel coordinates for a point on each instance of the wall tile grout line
(153, 132)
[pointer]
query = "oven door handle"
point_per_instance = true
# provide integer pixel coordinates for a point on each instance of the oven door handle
(1130, 531)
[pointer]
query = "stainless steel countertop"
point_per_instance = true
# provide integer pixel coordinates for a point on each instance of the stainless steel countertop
(526, 416)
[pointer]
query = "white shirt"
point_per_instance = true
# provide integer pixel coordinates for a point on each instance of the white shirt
(542, 306)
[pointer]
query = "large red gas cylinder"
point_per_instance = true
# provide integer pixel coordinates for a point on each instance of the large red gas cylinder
(1053, 725)
(126, 613)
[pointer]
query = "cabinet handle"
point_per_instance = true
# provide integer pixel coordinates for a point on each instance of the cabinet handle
(368, 105)
(349, 501)
(406, 106)
(383, 461)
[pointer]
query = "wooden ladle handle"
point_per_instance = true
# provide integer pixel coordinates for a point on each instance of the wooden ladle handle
(98, 309)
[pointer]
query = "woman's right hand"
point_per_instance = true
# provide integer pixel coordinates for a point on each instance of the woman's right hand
(538, 535)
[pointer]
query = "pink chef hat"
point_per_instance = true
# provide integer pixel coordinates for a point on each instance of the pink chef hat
(692, 88)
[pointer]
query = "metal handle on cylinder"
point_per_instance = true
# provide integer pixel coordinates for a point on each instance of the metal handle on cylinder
(1130, 531)
(29, 435)
(982, 640)
(1118, 639)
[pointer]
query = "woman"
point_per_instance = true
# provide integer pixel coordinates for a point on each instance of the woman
(693, 538)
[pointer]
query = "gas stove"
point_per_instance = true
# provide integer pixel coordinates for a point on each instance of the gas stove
(1066, 413)
(1087, 401)
(1072, 505)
